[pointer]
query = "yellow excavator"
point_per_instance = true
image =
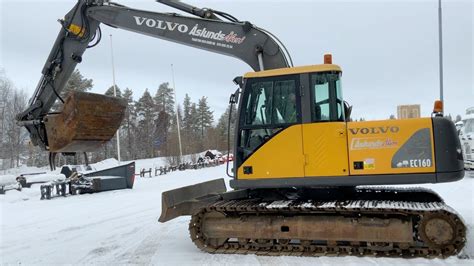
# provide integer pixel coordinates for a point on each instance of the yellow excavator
(303, 173)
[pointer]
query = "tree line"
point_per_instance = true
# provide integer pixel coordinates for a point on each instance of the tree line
(149, 128)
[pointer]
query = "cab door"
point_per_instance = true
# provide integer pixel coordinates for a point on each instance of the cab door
(325, 136)
(269, 138)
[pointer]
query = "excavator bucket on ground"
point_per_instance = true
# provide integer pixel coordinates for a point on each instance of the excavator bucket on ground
(86, 121)
(190, 199)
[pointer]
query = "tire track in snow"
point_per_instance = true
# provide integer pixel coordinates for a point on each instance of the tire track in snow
(144, 251)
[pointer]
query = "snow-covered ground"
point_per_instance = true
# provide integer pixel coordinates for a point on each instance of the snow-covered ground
(121, 227)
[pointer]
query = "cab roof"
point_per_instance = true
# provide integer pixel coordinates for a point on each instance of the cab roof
(293, 70)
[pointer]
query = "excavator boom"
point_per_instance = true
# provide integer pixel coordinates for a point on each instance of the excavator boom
(81, 26)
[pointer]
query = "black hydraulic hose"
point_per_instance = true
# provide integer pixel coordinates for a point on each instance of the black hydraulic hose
(55, 91)
(288, 58)
(226, 16)
(99, 37)
(228, 140)
(85, 25)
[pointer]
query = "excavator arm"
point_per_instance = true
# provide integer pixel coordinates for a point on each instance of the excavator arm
(79, 126)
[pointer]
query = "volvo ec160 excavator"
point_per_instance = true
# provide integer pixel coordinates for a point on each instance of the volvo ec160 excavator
(302, 169)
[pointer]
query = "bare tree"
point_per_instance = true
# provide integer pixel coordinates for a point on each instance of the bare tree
(5, 90)
(14, 135)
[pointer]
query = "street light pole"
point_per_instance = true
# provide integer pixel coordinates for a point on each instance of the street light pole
(177, 116)
(115, 95)
(440, 34)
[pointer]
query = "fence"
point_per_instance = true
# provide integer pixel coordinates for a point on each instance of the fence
(203, 163)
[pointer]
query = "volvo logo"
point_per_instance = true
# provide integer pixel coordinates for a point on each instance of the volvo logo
(160, 24)
(374, 130)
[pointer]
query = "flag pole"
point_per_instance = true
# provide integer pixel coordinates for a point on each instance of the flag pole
(115, 95)
(177, 117)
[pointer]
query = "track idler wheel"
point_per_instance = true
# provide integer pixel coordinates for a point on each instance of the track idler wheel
(439, 232)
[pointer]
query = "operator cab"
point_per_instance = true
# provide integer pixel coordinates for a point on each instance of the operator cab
(276, 99)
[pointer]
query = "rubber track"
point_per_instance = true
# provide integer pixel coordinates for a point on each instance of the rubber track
(367, 208)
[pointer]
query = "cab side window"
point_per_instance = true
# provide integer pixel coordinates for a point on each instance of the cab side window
(320, 110)
(326, 98)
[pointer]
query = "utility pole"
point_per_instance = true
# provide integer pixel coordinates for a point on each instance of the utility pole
(440, 34)
(177, 116)
(115, 95)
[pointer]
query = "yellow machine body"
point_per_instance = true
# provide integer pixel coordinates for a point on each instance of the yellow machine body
(342, 149)
(335, 151)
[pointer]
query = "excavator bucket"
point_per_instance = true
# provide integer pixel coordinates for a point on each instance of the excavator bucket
(188, 200)
(86, 121)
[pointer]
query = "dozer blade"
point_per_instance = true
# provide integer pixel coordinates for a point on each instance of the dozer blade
(86, 121)
(190, 199)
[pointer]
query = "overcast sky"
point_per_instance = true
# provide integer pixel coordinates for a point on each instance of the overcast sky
(388, 50)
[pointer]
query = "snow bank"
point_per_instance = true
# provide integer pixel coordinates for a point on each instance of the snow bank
(107, 163)
(44, 177)
(7, 180)
(23, 170)
(11, 179)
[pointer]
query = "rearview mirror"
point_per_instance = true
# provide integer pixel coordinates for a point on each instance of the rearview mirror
(238, 81)
(347, 111)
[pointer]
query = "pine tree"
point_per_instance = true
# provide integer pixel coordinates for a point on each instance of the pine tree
(129, 124)
(161, 132)
(76, 82)
(174, 124)
(192, 145)
(146, 118)
(187, 120)
(223, 126)
(205, 115)
(110, 91)
(180, 116)
(110, 148)
(164, 99)
(194, 116)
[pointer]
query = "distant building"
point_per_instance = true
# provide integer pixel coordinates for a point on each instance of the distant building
(408, 111)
